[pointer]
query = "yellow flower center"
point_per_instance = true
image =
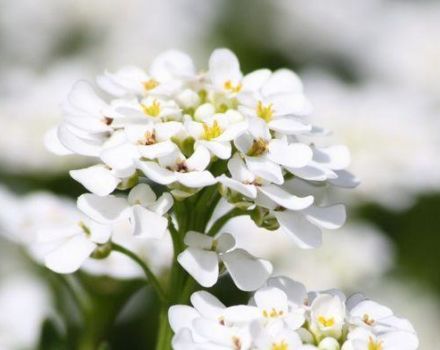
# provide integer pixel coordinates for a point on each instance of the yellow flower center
(150, 84)
(280, 346)
(265, 112)
(153, 110)
(367, 320)
(211, 132)
(375, 345)
(326, 322)
(229, 85)
(273, 313)
(258, 148)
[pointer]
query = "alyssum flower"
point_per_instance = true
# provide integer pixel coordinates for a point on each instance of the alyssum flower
(182, 142)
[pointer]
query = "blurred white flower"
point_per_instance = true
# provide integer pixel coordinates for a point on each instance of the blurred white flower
(24, 216)
(362, 247)
(392, 136)
(24, 303)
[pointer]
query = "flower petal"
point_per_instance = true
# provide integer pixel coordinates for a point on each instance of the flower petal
(196, 179)
(141, 194)
(331, 217)
(305, 234)
(69, 256)
(104, 210)
(97, 179)
(247, 272)
(284, 198)
(147, 223)
(202, 265)
(156, 173)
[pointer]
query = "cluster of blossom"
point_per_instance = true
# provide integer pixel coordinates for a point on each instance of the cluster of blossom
(185, 131)
(283, 316)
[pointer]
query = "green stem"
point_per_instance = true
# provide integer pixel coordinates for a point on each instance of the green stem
(165, 333)
(221, 221)
(150, 275)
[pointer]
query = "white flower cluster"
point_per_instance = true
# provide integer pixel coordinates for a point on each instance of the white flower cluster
(187, 131)
(283, 316)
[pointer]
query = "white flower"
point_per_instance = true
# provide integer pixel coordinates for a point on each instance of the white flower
(69, 248)
(327, 314)
(209, 325)
(362, 339)
(144, 210)
(202, 257)
(175, 167)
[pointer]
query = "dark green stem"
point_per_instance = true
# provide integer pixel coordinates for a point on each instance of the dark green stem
(150, 275)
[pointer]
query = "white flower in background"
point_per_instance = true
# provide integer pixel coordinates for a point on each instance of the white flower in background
(364, 248)
(22, 294)
(202, 257)
(324, 323)
(69, 248)
(366, 123)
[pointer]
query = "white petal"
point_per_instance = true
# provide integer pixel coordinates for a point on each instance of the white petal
(289, 126)
(172, 64)
(97, 179)
(87, 147)
(163, 204)
(196, 179)
(156, 173)
(249, 191)
(305, 234)
(225, 242)
(247, 272)
(220, 149)
(265, 169)
(296, 155)
(224, 66)
(344, 179)
(331, 217)
(69, 257)
(268, 298)
(53, 143)
(285, 199)
(255, 80)
(282, 81)
(207, 304)
(120, 157)
(198, 240)
(141, 194)
(156, 150)
(241, 314)
(147, 223)
(313, 172)
(238, 170)
(199, 160)
(296, 292)
(104, 210)
(335, 157)
(181, 316)
(83, 97)
(202, 265)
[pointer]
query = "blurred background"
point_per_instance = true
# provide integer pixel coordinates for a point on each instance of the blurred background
(372, 70)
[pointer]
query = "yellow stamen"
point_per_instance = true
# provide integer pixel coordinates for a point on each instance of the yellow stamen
(326, 322)
(273, 313)
(375, 345)
(150, 84)
(153, 110)
(148, 139)
(367, 320)
(211, 132)
(280, 346)
(258, 148)
(231, 87)
(265, 112)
